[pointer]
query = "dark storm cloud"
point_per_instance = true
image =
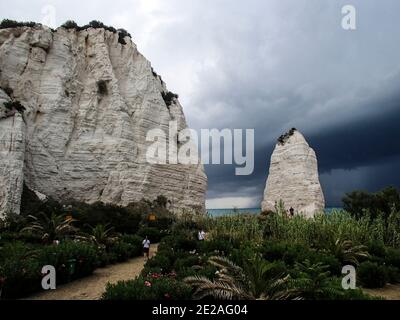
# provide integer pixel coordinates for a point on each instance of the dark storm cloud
(271, 65)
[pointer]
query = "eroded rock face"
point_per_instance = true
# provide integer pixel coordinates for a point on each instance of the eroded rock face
(293, 177)
(90, 102)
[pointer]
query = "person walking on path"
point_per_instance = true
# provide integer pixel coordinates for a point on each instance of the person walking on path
(146, 247)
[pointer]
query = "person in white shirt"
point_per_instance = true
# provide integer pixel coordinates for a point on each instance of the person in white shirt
(202, 235)
(146, 247)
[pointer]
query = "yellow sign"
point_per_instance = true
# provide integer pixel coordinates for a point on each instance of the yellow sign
(152, 217)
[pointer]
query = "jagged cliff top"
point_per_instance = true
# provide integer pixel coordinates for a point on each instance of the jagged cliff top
(122, 33)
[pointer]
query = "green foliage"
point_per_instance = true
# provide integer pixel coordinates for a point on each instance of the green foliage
(360, 202)
(235, 229)
(232, 282)
(283, 138)
(313, 281)
(122, 33)
(324, 229)
(71, 259)
(119, 251)
(161, 261)
(70, 24)
(19, 269)
(153, 234)
(32, 205)
(21, 265)
(372, 275)
(181, 242)
(152, 287)
(169, 97)
(50, 228)
(7, 23)
(392, 257)
(346, 252)
(121, 219)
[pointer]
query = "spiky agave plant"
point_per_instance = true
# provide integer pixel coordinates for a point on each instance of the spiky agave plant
(50, 227)
(345, 251)
(232, 283)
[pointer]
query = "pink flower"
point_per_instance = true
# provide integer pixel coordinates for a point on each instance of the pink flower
(155, 276)
(172, 274)
(147, 284)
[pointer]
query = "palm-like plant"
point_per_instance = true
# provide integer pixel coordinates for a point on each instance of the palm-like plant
(100, 234)
(50, 227)
(313, 281)
(233, 283)
(346, 252)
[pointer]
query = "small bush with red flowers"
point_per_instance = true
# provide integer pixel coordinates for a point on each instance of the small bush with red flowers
(153, 286)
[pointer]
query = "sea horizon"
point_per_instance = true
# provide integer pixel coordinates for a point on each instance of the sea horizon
(232, 211)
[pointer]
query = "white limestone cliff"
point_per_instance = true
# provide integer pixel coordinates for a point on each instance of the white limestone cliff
(293, 177)
(76, 142)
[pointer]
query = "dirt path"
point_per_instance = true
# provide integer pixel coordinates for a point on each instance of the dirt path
(92, 287)
(389, 292)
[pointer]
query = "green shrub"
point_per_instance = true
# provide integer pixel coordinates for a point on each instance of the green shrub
(169, 97)
(122, 33)
(70, 24)
(372, 275)
(358, 203)
(216, 246)
(334, 265)
(7, 23)
(135, 241)
(158, 287)
(338, 293)
(72, 260)
(121, 251)
(377, 248)
(121, 219)
(20, 270)
(153, 234)
(180, 242)
(392, 257)
(8, 236)
(393, 274)
(187, 262)
(288, 252)
(159, 261)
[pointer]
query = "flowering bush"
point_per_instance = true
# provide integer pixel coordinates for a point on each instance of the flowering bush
(153, 286)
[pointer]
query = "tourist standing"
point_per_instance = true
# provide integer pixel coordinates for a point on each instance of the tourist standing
(146, 247)
(291, 210)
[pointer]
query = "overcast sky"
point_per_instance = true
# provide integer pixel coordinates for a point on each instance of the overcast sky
(270, 65)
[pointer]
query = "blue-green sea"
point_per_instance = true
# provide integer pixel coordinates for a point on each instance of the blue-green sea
(227, 212)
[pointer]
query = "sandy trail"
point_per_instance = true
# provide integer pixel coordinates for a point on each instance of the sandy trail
(92, 287)
(389, 292)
